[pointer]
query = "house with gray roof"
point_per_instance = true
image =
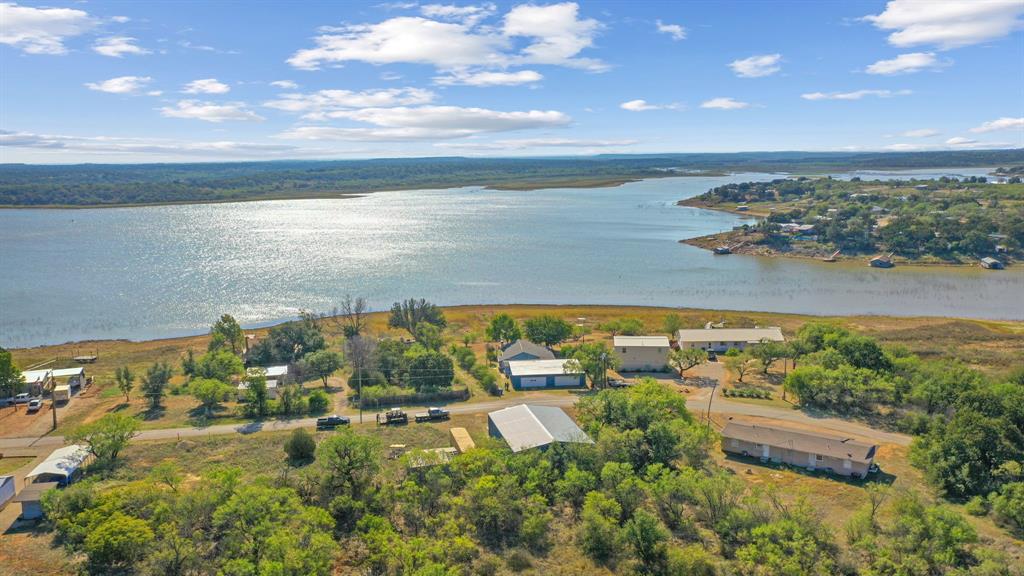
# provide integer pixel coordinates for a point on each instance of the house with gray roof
(813, 450)
(531, 426)
(523, 349)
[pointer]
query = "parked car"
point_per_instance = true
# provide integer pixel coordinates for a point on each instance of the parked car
(9, 401)
(433, 414)
(22, 398)
(34, 405)
(331, 422)
(617, 383)
(712, 357)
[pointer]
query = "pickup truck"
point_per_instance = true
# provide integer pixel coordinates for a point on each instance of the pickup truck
(331, 422)
(433, 414)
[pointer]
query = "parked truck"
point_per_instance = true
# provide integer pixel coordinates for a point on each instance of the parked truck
(433, 414)
(393, 416)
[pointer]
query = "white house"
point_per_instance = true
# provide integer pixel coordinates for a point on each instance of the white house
(722, 339)
(642, 353)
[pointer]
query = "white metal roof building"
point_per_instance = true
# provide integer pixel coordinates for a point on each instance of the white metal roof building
(641, 353)
(271, 372)
(722, 339)
(61, 464)
(544, 374)
(539, 367)
(530, 426)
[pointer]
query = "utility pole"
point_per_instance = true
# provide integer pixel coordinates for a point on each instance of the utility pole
(710, 398)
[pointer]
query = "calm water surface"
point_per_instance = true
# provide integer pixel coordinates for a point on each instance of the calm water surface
(171, 270)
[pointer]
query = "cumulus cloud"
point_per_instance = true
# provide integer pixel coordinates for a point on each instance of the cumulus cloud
(41, 30)
(206, 86)
(554, 34)
(427, 123)
(324, 103)
(905, 64)
(468, 14)
(1005, 123)
(486, 78)
(960, 141)
(209, 111)
(640, 105)
(920, 133)
(527, 143)
(286, 84)
(676, 31)
(757, 66)
(120, 85)
(948, 24)
(855, 95)
(724, 104)
(118, 46)
(106, 145)
(120, 19)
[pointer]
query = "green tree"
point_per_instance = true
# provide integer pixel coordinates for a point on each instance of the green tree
(503, 328)
(672, 323)
(287, 343)
(649, 540)
(318, 402)
(125, 381)
(594, 359)
(767, 353)
(323, 363)
(740, 364)
(188, 364)
(1008, 506)
(547, 330)
(209, 392)
(786, 547)
(429, 336)
(349, 462)
(219, 365)
(226, 333)
(409, 313)
(257, 394)
(574, 486)
(600, 537)
(105, 437)
(683, 359)
(154, 383)
(117, 541)
(300, 446)
(430, 371)
(11, 380)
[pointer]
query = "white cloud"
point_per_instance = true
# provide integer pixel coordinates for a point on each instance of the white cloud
(905, 64)
(120, 85)
(960, 141)
(286, 84)
(209, 111)
(485, 78)
(467, 14)
(676, 31)
(948, 23)
(920, 133)
(644, 106)
(155, 93)
(120, 19)
(757, 66)
(324, 103)
(206, 86)
(41, 30)
(724, 104)
(855, 95)
(526, 143)
(118, 46)
(428, 123)
(555, 33)
(1005, 123)
(105, 146)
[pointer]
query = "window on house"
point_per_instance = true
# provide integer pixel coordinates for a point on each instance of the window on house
(819, 457)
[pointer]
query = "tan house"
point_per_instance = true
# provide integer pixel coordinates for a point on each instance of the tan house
(722, 339)
(836, 454)
(642, 353)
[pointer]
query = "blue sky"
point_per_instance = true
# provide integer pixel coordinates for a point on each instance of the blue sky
(214, 81)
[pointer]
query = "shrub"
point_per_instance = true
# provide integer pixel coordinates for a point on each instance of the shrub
(977, 506)
(300, 446)
(519, 560)
(318, 402)
(465, 357)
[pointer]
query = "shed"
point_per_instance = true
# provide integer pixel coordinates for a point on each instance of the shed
(6, 490)
(61, 465)
(461, 440)
(75, 376)
(31, 499)
(642, 352)
(544, 374)
(722, 339)
(523, 350)
(532, 426)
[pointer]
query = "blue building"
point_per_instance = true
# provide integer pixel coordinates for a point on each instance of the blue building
(533, 374)
(523, 350)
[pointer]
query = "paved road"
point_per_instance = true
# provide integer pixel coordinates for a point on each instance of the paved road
(698, 404)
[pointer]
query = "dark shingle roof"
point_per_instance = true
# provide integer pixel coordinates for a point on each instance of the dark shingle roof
(522, 345)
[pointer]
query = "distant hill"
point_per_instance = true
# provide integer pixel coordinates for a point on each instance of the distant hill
(118, 184)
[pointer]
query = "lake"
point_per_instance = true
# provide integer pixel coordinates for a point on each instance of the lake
(160, 271)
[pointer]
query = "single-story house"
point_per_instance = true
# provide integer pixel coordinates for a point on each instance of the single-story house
(544, 374)
(37, 380)
(63, 465)
(523, 350)
(722, 339)
(243, 388)
(644, 353)
(529, 426)
(31, 499)
(812, 450)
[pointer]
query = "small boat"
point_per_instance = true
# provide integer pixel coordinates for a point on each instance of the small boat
(723, 250)
(831, 258)
(882, 261)
(991, 264)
